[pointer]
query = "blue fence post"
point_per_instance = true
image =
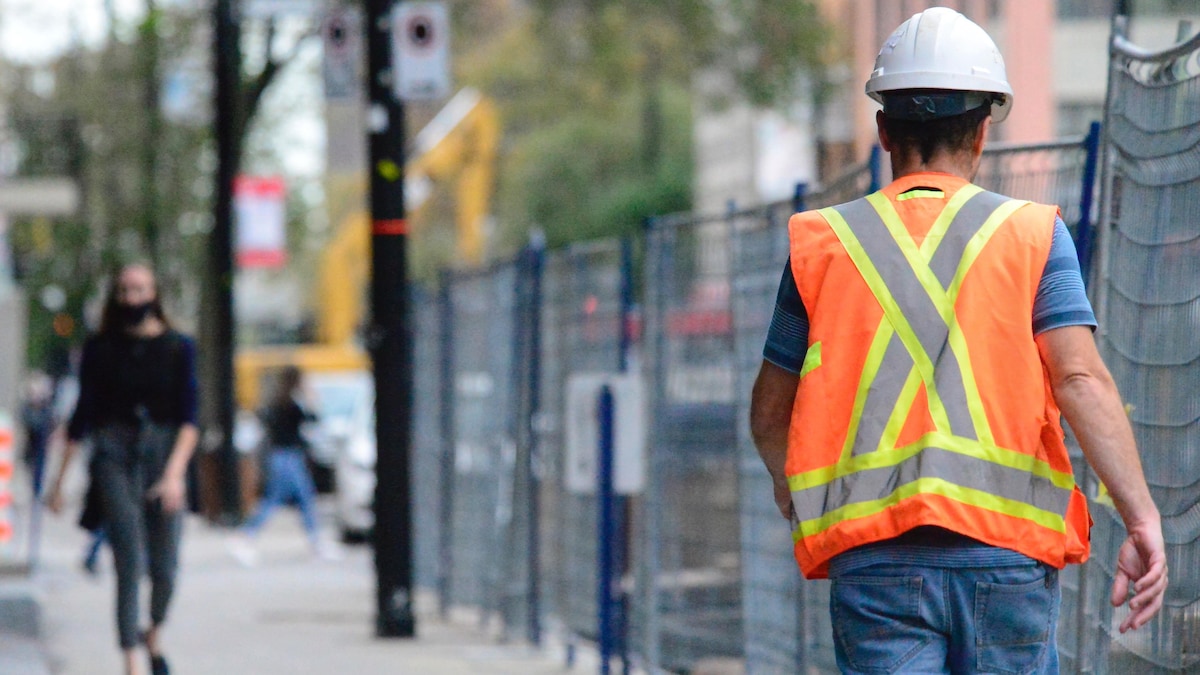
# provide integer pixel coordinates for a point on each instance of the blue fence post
(446, 426)
(625, 516)
(537, 263)
(1085, 234)
(607, 529)
(800, 197)
(875, 163)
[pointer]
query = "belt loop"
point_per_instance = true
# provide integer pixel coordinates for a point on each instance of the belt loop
(1051, 575)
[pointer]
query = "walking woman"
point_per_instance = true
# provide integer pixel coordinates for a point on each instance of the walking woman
(137, 405)
(288, 478)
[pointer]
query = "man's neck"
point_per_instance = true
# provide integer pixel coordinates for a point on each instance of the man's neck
(959, 164)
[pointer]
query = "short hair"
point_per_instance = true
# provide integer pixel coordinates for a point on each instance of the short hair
(952, 134)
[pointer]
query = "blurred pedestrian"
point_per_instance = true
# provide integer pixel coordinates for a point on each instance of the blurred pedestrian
(288, 476)
(37, 418)
(137, 405)
(908, 405)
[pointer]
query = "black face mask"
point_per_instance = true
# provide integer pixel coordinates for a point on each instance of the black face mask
(132, 315)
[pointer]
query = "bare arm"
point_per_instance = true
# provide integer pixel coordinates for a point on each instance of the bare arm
(770, 416)
(1088, 397)
(171, 488)
(54, 499)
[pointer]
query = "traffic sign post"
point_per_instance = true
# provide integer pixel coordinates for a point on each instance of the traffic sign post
(421, 51)
(390, 336)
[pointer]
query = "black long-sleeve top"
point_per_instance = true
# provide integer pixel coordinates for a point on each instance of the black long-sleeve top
(125, 379)
(283, 423)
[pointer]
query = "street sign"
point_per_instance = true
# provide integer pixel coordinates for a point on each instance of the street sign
(341, 33)
(261, 216)
(582, 430)
(39, 197)
(421, 51)
(266, 9)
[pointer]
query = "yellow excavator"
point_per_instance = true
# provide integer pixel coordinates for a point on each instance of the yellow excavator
(457, 147)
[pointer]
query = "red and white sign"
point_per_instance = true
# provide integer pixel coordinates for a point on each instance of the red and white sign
(6, 475)
(260, 214)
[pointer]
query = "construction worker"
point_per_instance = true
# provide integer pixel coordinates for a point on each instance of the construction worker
(924, 341)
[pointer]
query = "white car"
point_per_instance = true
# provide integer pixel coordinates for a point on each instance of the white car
(354, 490)
(339, 396)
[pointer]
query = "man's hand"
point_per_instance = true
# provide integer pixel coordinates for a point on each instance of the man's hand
(770, 414)
(1141, 560)
(783, 498)
(54, 500)
(170, 492)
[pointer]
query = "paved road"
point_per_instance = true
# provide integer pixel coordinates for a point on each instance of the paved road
(291, 614)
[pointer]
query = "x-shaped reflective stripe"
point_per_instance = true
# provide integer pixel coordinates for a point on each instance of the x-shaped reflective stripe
(917, 287)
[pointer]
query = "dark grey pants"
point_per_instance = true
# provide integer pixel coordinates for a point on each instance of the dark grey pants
(125, 464)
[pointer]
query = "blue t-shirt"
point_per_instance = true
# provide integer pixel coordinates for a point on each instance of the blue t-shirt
(1060, 301)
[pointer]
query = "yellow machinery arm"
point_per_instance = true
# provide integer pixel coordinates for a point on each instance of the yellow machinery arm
(460, 140)
(459, 143)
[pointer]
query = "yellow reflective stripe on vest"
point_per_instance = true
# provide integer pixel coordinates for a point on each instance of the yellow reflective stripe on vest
(883, 335)
(945, 299)
(936, 486)
(963, 446)
(920, 194)
(891, 310)
(929, 246)
(812, 359)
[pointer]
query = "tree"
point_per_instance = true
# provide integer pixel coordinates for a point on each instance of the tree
(145, 175)
(597, 97)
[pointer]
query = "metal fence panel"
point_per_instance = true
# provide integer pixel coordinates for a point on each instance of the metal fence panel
(690, 545)
(482, 310)
(581, 333)
(786, 619)
(426, 437)
(1148, 293)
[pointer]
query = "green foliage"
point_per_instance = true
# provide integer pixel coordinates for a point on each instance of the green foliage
(596, 97)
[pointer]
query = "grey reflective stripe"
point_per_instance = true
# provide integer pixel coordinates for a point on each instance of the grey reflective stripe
(932, 462)
(967, 223)
(923, 315)
(881, 397)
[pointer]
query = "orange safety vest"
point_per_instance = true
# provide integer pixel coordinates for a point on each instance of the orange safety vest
(922, 398)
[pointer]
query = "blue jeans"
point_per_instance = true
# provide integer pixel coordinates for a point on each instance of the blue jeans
(287, 479)
(927, 609)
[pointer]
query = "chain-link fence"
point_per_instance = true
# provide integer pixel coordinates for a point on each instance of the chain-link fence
(1148, 294)
(483, 428)
(786, 619)
(582, 323)
(708, 559)
(426, 437)
(691, 546)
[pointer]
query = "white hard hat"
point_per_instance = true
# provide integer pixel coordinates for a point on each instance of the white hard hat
(943, 50)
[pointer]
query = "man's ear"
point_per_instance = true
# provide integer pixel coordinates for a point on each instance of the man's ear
(981, 137)
(884, 140)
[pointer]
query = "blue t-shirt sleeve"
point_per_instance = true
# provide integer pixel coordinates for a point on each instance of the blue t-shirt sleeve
(1061, 300)
(787, 338)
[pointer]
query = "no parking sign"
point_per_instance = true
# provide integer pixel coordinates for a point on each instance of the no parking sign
(421, 51)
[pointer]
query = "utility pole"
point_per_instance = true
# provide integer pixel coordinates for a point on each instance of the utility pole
(219, 289)
(390, 335)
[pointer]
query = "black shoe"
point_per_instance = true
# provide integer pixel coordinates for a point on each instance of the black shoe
(158, 666)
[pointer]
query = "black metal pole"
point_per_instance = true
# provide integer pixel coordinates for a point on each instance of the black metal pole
(220, 251)
(391, 334)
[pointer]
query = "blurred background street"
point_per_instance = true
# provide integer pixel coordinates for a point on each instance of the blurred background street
(291, 613)
(461, 248)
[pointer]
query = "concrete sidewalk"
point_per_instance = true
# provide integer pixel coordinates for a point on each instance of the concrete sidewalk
(290, 614)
